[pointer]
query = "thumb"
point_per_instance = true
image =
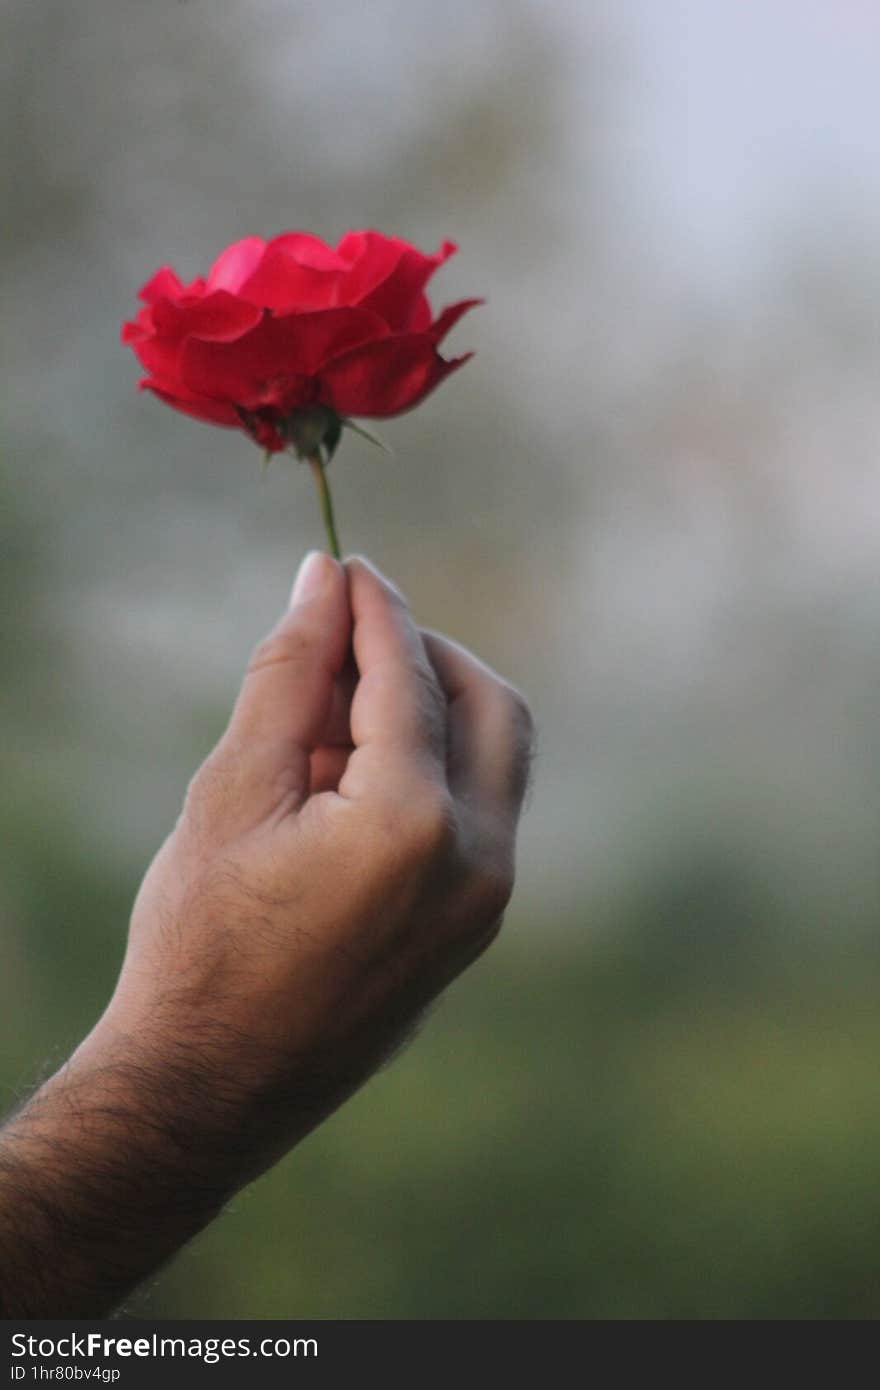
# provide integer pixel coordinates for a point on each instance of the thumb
(286, 694)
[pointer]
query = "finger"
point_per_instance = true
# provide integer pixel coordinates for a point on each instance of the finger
(293, 682)
(326, 768)
(490, 729)
(337, 730)
(398, 714)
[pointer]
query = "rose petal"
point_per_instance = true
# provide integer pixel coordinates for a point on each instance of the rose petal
(265, 433)
(157, 336)
(219, 317)
(398, 297)
(421, 315)
(308, 250)
(256, 369)
(158, 355)
(281, 283)
(371, 258)
(135, 329)
(446, 321)
(297, 271)
(194, 290)
(201, 407)
(386, 377)
(233, 266)
(165, 284)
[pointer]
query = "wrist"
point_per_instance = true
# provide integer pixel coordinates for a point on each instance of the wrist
(173, 1093)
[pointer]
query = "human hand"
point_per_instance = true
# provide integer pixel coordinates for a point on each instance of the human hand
(343, 853)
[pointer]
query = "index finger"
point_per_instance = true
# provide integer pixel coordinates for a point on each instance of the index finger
(398, 713)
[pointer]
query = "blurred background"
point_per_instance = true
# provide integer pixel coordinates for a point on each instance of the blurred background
(652, 500)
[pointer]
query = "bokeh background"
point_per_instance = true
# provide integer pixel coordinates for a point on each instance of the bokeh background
(652, 500)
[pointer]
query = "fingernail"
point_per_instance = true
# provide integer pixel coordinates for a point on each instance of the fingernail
(312, 577)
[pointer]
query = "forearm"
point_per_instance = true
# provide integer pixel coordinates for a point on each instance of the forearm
(109, 1169)
(134, 1146)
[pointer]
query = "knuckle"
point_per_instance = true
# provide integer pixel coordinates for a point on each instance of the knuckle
(209, 790)
(430, 824)
(279, 647)
(207, 782)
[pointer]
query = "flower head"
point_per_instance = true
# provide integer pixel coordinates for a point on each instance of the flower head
(284, 332)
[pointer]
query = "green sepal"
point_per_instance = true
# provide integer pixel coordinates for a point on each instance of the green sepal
(370, 438)
(332, 436)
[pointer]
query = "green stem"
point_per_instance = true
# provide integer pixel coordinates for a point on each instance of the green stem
(320, 475)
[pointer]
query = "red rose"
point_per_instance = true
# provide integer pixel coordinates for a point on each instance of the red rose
(284, 326)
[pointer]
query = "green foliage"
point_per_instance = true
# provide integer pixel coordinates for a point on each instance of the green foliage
(564, 1142)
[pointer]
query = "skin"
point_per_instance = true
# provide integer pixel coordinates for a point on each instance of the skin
(344, 852)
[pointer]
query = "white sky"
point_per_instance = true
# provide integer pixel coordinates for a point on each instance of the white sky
(745, 108)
